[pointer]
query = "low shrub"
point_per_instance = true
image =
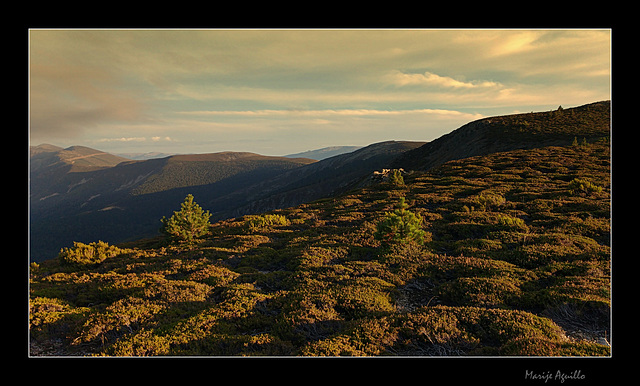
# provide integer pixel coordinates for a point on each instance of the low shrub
(254, 223)
(583, 186)
(92, 253)
(550, 348)
(488, 201)
(51, 316)
(511, 223)
(480, 292)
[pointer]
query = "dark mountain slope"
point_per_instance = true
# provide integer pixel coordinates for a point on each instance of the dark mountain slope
(203, 169)
(510, 132)
(126, 201)
(324, 178)
(50, 165)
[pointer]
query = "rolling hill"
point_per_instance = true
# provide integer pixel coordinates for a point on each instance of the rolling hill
(124, 200)
(509, 132)
(74, 158)
(95, 194)
(326, 178)
(516, 261)
(82, 194)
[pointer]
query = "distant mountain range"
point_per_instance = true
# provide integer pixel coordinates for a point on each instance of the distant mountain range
(72, 159)
(83, 194)
(118, 199)
(318, 154)
(144, 156)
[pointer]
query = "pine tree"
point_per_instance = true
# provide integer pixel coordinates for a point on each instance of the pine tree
(395, 178)
(400, 226)
(188, 223)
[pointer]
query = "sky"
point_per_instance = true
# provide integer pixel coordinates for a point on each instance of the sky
(278, 92)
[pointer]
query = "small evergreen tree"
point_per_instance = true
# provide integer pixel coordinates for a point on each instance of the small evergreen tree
(400, 226)
(188, 223)
(395, 178)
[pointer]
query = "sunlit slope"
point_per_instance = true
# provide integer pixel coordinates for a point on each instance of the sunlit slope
(516, 262)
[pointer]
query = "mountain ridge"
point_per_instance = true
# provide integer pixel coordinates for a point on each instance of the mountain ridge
(63, 199)
(99, 203)
(324, 178)
(79, 158)
(515, 131)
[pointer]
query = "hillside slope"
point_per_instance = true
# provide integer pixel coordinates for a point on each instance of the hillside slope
(81, 200)
(516, 262)
(518, 131)
(83, 206)
(203, 169)
(78, 158)
(324, 178)
(49, 165)
(70, 204)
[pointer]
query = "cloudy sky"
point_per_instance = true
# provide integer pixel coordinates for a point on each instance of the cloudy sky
(278, 92)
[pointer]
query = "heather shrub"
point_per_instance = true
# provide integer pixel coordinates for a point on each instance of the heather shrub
(254, 223)
(511, 223)
(488, 201)
(480, 291)
(583, 186)
(92, 253)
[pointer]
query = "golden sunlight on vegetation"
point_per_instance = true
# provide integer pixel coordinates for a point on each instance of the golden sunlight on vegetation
(514, 260)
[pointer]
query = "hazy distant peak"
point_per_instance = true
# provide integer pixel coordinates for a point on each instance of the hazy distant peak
(325, 152)
(144, 156)
(43, 148)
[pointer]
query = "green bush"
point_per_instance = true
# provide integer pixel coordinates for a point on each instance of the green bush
(93, 253)
(511, 223)
(263, 221)
(583, 185)
(188, 223)
(400, 226)
(488, 201)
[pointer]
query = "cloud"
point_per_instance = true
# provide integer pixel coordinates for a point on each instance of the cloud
(326, 112)
(123, 139)
(155, 88)
(399, 78)
(515, 43)
(67, 100)
(134, 139)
